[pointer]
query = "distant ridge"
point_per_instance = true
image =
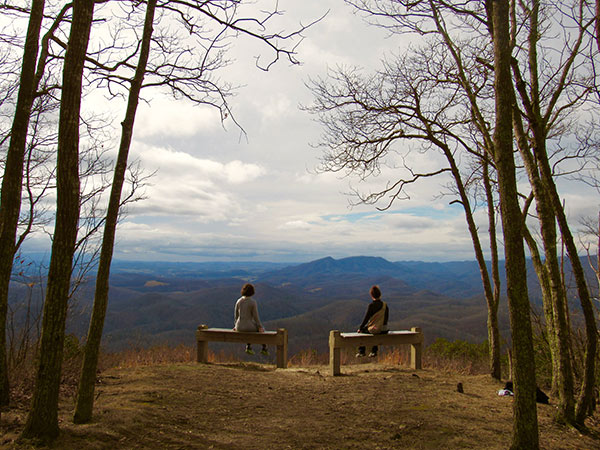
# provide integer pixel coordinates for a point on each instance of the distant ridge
(155, 302)
(326, 267)
(460, 278)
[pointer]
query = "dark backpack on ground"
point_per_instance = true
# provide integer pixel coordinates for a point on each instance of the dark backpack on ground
(540, 396)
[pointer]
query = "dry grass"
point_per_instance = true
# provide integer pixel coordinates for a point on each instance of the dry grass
(159, 398)
(164, 354)
(161, 354)
(253, 406)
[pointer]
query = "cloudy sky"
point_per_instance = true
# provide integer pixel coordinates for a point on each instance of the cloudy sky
(218, 195)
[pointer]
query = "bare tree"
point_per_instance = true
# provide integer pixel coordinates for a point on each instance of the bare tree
(175, 67)
(87, 381)
(525, 425)
(10, 202)
(367, 119)
(38, 168)
(465, 82)
(42, 421)
(543, 102)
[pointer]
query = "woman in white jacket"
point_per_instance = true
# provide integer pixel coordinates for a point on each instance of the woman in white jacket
(246, 316)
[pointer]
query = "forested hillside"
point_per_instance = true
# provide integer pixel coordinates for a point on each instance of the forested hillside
(155, 303)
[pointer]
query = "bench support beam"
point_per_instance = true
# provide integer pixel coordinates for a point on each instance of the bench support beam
(334, 352)
(416, 351)
(202, 356)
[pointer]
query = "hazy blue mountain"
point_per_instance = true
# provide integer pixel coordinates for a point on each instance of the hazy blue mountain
(207, 270)
(149, 306)
(154, 302)
(454, 279)
(329, 267)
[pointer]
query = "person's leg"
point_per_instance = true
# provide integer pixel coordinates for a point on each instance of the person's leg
(362, 350)
(265, 350)
(249, 349)
(375, 349)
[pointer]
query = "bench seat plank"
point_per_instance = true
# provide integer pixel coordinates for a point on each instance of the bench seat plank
(389, 333)
(246, 337)
(391, 338)
(277, 338)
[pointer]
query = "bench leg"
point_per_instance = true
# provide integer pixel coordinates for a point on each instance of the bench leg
(202, 356)
(334, 353)
(334, 361)
(202, 346)
(415, 356)
(416, 352)
(282, 349)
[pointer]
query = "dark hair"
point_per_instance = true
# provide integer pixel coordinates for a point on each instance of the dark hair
(375, 292)
(247, 290)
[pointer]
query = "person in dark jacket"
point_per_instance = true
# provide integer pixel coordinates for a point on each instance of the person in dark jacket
(375, 321)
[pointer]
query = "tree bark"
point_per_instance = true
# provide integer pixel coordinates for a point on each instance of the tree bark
(550, 209)
(493, 331)
(85, 393)
(597, 24)
(42, 421)
(491, 298)
(550, 279)
(544, 281)
(525, 425)
(12, 182)
(585, 401)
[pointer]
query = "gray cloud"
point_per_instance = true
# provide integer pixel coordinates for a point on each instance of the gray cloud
(219, 194)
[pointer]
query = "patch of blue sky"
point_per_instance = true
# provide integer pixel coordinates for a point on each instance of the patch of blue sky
(352, 217)
(448, 212)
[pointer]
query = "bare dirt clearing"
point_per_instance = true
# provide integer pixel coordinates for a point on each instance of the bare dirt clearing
(252, 406)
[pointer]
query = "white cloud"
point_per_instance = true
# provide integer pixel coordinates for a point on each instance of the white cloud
(216, 196)
(165, 117)
(184, 185)
(183, 167)
(295, 225)
(238, 172)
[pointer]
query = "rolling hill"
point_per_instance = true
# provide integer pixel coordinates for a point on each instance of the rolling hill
(155, 303)
(147, 307)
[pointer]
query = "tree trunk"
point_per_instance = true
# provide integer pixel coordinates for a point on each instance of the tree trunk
(548, 230)
(492, 296)
(85, 393)
(550, 278)
(597, 24)
(12, 182)
(586, 398)
(558, 331)
(525, 425)
(544, 281)
(493, 332)
(492, 303)
(42, 421)
(548, 196)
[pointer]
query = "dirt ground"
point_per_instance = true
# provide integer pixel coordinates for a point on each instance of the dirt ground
(253, 406)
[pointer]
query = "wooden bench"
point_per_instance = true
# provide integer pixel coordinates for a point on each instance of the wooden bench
(204, 335)
(338, 340)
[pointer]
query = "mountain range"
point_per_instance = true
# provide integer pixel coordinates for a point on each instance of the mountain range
(154, 303)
